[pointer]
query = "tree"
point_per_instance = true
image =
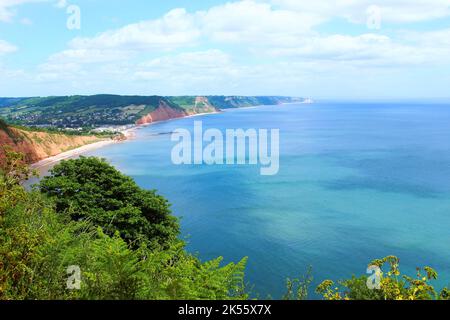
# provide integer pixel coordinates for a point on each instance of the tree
(90, 188)
(37, 245)
(13, 166)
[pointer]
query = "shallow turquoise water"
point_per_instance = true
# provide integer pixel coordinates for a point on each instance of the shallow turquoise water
(356, 182)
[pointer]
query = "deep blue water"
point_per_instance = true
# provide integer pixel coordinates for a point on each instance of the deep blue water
(356, 182)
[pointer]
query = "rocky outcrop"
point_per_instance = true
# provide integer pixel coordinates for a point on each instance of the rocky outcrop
(163, 112)
(40, 145)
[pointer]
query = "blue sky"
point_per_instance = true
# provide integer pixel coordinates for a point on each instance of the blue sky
(353, 49)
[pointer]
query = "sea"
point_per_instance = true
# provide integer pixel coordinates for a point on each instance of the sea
(357, 181)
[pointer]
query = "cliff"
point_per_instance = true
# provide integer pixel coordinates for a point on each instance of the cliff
(181, 106)
(40, 145)
(172, 109)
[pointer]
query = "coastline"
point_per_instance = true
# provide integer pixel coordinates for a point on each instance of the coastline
(71, 153)
(132, 129)
(128, 133)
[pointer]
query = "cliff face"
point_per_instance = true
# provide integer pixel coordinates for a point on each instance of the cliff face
(167, 112)
(40, 145)
(163, 112)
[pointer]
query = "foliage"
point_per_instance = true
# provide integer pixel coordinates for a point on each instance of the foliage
(5, 128)
(13, 167)
(393, 285)
(90, 188)
(78, 132)
(297, 289)
(5, 102)
(38, 244)
(124, 240)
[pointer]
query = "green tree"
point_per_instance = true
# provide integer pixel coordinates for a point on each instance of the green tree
(90, 188)
(37, 244)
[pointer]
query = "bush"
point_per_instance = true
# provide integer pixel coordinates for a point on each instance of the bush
(90, 188)
(393, 286)
(38, 244)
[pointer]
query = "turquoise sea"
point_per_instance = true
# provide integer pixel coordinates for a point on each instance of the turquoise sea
(357, 181)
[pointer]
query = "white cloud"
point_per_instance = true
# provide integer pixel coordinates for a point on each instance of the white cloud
(397, 11)
(211, 65)
(7, 8)
(198, 60)
(173, 30)
(61, 4)
(368, 50)
(249, 22)
(86, 56)
(261, 28)
(275, 46)
(439, 38)
(6, 47)
(237, 22)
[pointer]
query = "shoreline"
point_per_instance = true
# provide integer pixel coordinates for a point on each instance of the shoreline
(71, 153)
(128, 133)
(130, 130)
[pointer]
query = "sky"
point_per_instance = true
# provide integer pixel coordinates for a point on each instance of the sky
(341, 49)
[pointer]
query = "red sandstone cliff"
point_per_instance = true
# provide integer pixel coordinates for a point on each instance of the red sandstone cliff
(40, 145)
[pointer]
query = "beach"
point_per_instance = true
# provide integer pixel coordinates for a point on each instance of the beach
(71, 153)
(129, 134)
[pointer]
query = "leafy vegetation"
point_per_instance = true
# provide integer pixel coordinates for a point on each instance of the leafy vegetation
(392, 285)
(298, 289)
(67, 132)
(124, 241)
(5, 102)
(4, 127)
(90, 188)
(38, 243)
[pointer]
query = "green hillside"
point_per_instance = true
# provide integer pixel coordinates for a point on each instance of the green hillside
(101, 110)
(227, 102)
(79, 111)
